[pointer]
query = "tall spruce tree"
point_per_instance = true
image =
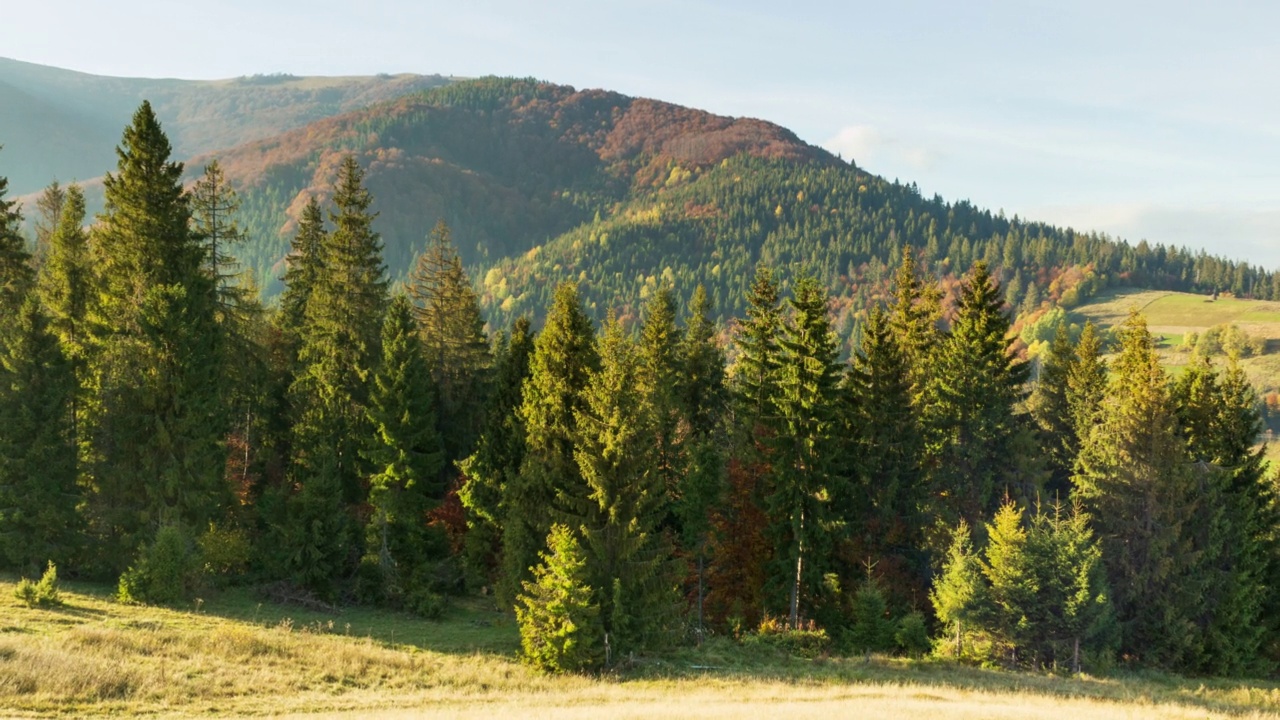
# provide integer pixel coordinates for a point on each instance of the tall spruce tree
(969, 407)
(883, 507)
(913, 319)
(339, 350)
(1012, 582)
(214, 204)
(564, 358)
(659, 377)
(499, 454)
(448, 312)
(1051, 410)
(622, 499)
(65, 284)
(39, 493)
(406, 453)
(158, 420)
(302, 272)
(755, 372)
(49, 208)
(1141, 493)
(804, 448)
(1086, 384)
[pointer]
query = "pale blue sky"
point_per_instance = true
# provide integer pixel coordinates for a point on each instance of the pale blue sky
(1156, 120)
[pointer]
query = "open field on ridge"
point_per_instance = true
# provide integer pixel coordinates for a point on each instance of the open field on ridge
(234, 655)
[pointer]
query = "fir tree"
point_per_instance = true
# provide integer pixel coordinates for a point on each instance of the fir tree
(39, 495)
(804, 446)
(406, 451)
(622, 499)
(559, 618)
(448, 312)
(1141, 494)
(563, 360)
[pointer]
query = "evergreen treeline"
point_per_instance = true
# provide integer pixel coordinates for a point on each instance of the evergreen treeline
(622, 488)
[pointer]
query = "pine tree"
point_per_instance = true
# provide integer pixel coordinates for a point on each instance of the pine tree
(158, 420)
(804, 448)
(1134, 479)
(499, 454)
(959, 593)
(15, 262)
(559, 618)
(970, 404)
(884, 504)
(448, 312)
(563, 360)
(39, 495)
(622, 499)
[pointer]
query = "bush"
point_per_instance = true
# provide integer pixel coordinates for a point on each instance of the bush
(224, 552)
(166, 571)
(912, 635)
(809, 641)
(43, 593)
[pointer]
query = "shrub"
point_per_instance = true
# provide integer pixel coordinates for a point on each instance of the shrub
(808, 641)
(44, 593)
(165, 572)
(560, 628)
(224, 552)
(912, 635)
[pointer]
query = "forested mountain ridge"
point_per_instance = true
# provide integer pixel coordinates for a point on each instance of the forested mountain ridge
(542, 182)
(63, 125)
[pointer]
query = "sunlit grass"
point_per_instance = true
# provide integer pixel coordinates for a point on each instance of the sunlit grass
(234, 655)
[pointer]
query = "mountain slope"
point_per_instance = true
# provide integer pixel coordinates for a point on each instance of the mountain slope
(60, 124)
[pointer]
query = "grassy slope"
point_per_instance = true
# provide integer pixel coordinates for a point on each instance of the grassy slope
(236, 656)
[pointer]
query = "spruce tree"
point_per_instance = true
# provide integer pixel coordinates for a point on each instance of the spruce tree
(913, 319)
(39, 494)
(1135, 481)
(448, 312)
(1050, 408)
(959, 593)
(883, 507)
(969, 407)
(302, 272)
(659, 377)
(340, 347)
(755, 372)
(49, 207)
(1012, 581)
(214, 204)
(158, 420)
(564, 358)
(65, 284)
(15, 262)
(804, 447)
(557, 611)
(622, 499)
(499, 453)
(406, 453)
(1086, 384)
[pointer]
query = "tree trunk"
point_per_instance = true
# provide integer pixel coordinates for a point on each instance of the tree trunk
(1075, 657)
(959, 647)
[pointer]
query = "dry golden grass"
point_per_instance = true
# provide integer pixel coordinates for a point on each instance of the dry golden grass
(237, 657)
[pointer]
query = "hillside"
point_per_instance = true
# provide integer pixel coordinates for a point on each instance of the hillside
(64, 125)
(234, 655)
(542, 182)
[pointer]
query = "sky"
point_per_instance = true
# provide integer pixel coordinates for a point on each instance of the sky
(1145, 120)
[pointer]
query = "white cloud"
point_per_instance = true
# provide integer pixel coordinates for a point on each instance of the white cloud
(867, 146)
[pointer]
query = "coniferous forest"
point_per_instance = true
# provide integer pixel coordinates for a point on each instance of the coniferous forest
(626, 486)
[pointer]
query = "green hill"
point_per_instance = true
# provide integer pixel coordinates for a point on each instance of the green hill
(64, 125)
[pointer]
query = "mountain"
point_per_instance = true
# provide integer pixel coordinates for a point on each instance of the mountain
(64, 125)
(542, 182)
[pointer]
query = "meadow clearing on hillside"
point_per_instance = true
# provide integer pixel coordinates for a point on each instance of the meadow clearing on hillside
(235, 655)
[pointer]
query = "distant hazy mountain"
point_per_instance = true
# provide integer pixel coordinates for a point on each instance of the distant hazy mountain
(64, 125)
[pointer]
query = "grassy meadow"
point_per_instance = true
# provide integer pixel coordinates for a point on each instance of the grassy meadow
(234, 655)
